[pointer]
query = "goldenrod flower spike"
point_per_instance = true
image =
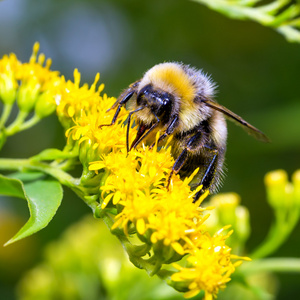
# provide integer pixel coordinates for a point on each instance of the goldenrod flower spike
(165, 219)
(157, 225)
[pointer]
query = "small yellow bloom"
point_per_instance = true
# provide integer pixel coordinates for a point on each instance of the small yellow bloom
(209, 265)
(36, 78)
(75, 101)
(9, 66)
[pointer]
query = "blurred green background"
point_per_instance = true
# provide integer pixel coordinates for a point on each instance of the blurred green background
(256, 69)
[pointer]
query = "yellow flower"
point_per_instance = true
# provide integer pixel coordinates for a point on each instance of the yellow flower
(209, 265)
(32, 85)
(177, 216)
(9, 66)
(88, 134)
(135, 172)
(77, 101)
(36, 78)
(81, 110)
(38, 69)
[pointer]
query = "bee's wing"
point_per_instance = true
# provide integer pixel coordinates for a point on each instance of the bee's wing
(238, 120)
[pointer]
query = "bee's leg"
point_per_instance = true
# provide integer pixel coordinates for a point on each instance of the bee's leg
(131, 90)
(123, 101)
(208, 175)
(178, 164)
(170, 129)
(193, 142)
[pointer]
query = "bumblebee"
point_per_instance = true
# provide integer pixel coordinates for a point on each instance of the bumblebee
(176, 99)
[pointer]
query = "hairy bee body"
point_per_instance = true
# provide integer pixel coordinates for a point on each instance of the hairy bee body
(176, 99)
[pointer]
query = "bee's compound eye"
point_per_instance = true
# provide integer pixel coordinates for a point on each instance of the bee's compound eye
(139, 99)
(167, 99)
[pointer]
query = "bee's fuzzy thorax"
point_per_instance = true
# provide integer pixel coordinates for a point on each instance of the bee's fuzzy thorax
(171, 77)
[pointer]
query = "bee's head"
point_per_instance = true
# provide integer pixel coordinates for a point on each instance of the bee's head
(158, 101)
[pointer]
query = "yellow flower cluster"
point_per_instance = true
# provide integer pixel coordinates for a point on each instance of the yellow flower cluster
(209, 265)
(74, 100)
(32, 85)
(134, 184)
(81, 109)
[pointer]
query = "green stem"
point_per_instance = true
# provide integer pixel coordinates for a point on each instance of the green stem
(17, 123)
(23, 164)
(274, 239)
(63, 177)
(270, 265)
(278, 234)
(5, 114)
(31, 122)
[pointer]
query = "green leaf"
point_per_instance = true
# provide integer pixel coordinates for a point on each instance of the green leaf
(11, 187)
(280, 15)
(43, 198)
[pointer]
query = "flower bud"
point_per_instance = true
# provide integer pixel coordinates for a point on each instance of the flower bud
(226, 205)
(8, 88)
(45, 105)
(28, 95)
(278, 189)
(87, 152)
(242, 225)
